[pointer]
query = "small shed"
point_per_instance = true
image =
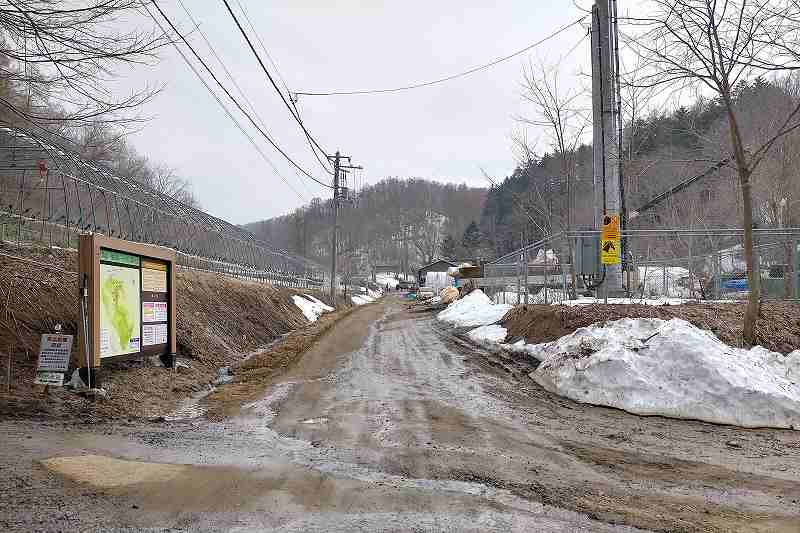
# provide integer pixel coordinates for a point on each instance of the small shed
(440, 265)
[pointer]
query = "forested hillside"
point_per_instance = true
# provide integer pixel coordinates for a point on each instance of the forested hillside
(381, 222)
(661, 150)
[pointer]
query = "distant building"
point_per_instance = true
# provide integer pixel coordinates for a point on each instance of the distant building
(440, 265)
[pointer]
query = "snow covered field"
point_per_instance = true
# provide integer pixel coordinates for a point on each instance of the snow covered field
(651, 367)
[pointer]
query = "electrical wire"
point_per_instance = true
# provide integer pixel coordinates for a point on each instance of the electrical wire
(271, 79)
(446, 78)
(231, 97)
(227, 111)
(222, 64)
(323, 161)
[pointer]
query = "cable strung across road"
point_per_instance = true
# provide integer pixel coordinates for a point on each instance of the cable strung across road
(446, 78)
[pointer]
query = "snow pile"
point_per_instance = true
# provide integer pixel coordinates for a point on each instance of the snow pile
(311, 307)
(325, 306)
(491, 334)
(475, 309)
(437, 281)
(374, 294)
(653, 279)
(671, 368)
(361, 299)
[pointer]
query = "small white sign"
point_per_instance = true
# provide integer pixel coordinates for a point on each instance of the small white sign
(154, 334)
(44, 377)
(54, 352)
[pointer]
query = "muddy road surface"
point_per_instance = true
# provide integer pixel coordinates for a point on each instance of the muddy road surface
(393, 423)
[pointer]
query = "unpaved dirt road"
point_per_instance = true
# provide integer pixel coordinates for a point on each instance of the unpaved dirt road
(392, 423)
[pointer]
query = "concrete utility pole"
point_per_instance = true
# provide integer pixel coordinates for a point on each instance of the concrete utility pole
(336, 160)
(338, 169)
(406, 234)
(605, 139)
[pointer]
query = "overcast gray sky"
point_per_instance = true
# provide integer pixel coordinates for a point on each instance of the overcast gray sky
(445, 132)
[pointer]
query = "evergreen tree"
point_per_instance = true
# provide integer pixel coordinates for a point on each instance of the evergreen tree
(448, 247)
(471, 240)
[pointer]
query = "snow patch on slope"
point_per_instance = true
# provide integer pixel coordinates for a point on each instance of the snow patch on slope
(311, 307)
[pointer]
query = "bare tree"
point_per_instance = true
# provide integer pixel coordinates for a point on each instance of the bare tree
(63, 56)
(427, 235)
(711, 46)
(558, 111)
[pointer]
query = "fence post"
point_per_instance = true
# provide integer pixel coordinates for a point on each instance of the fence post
(546, 299)
(664, 281)
(691, 277)
(795, 268)
(526, 267)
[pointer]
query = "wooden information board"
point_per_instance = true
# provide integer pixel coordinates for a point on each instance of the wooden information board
(130, 304)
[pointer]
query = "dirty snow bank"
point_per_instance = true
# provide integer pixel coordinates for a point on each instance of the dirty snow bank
(474, 309)
(311, 307)
(360, 299)
(493, 333)
(681, 372)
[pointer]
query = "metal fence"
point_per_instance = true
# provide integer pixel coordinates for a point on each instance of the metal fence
(672, 263)
(49, 195)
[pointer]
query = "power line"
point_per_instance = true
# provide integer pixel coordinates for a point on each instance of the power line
(264, 48)
(222, 64)
(447, 78)
(227, 111)
(271, 79)
(232, 98)
(322, 161)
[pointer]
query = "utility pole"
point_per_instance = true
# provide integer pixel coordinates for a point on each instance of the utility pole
(336, 160)
(605, 138)
(338, 169)
(406, 232)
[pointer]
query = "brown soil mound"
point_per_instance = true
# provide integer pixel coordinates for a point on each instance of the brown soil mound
(777, 329)
(219, 321)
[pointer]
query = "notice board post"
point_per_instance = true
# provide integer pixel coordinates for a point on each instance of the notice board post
(130, 303)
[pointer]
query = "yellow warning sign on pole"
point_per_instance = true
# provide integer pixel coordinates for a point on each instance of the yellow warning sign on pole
(609, 252)
(609, 240)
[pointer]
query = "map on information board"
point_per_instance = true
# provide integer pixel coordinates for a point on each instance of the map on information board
(120, 308)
